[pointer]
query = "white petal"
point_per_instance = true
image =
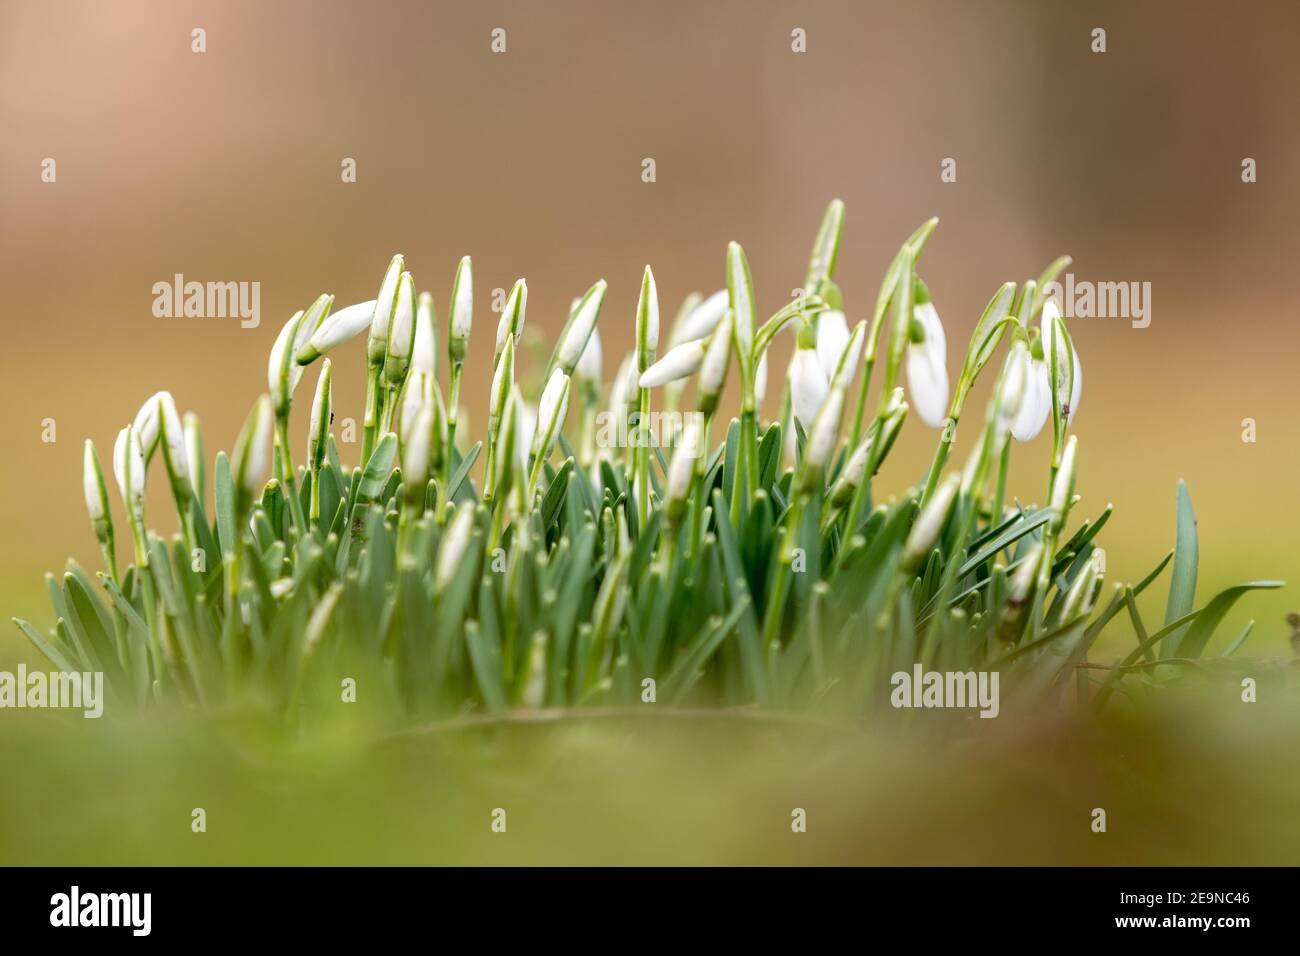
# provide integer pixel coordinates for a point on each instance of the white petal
(703, 319)
(1036, 406)
(338, 327)
(808, 386)
(589, 362)
(425, 356)
(927, 379)
(146, 425)
(90, 484)
(173, 432)
(678, 363)
(760, 379)
(832, 336)
(462, 307)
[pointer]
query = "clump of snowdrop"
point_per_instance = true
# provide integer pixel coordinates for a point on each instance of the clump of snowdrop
(739, 565)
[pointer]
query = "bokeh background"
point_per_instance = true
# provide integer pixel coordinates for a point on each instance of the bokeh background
(226, 166)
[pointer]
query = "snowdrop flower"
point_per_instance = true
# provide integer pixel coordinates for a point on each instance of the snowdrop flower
(96, 491)
(321, 413)
(502, 379)
(253, 450)
(703, 319)
(1063, 486)
(927, 365)
(193, 450)
(809, 385)
(832, 337)
(283, 373)
(582, 322)
(512, 316)
(552, 408)
(679, 362)
(337, 328)
(462, 311)
(821, 438)
(129, 470)
(1037, 406)
(682, 468)
(158, 422)
(713, 370)
(588, 368)
(401, 335)
(385, 304)
(416, 442)
(1013, 389)
(415, 396)
(647, 321)
(424, 355)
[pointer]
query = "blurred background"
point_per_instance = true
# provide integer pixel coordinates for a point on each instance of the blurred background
(225, 166)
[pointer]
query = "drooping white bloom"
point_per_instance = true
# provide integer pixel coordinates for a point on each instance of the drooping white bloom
(588, 368)
(580, 328)
(843, 373)
(129, 470)
(760, 380)
(832, 337)
(703, 319)
(338, 327)
(1037, 406)
(927, 367)
(424, 355)
(385, 304)
(679, 362)
(809, 385)
(1013, 388)
(193, 450)
(172, 432)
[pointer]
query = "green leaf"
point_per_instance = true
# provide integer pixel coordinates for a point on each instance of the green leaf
(223, 485)
(1193, 640)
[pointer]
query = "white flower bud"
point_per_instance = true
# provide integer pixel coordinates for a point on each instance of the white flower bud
(385, 304)
(129, 470)
(92, 482)
(1063, 486)
(928, 524)
(832, 337)
(808, 386)
(424, 356)
(337, 328)
(580, 327)
(462, 310)
(927, 367)
(740, 292)
(512, 316)
(401, 336)
(551, 410)
(713, 370)
(703, 319)
(825, 428)
(647, 321)
(678, 363)
(321, 413)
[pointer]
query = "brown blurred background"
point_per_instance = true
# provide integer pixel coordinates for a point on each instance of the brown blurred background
(226, 166)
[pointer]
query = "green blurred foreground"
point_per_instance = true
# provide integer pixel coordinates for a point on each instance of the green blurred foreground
(1199, 778)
